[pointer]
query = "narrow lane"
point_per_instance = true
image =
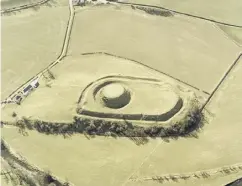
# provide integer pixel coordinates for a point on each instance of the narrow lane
(61, 56)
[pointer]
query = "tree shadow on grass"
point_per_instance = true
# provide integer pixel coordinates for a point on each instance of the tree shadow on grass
(139, 140)
(34, 7)
(187, 128)
(68, 133)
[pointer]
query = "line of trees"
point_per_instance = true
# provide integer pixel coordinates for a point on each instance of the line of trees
(23, 174)
(154, 11)
(199, 174)
(194, 120)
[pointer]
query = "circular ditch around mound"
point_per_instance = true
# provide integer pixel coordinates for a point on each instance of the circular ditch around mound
(130, 98)
(183, 118)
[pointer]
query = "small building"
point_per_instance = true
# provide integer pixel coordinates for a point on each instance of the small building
(18, 99)
(27, 90)
(34, 84)
(78, 2)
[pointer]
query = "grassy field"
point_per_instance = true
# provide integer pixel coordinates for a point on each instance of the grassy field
(219, 10)
(116, 161)
(6, 4)
(191, 50)
(219, 144)
(31, 40)
(233, 33)
(192, 46)
(102, 161)
(59, 102)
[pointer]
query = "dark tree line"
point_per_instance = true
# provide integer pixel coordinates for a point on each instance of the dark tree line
(153, 11)
(19, 171)
(192, 122)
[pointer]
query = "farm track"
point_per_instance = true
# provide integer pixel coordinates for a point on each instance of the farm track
(63, 50)
(194, 175)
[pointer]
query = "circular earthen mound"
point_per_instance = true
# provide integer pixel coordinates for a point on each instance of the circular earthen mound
(115, 95)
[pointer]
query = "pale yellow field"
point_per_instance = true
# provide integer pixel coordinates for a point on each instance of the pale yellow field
(59, 102)
(31, 40)
(194, 51)
(6, 4)
(191, 50)
(219, 144)
(218, 10)
(233, 33)
(98, 161)
(107, 161)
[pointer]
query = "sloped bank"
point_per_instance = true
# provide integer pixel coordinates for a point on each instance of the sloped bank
(169, 99)
(193, 121)
(24, 173)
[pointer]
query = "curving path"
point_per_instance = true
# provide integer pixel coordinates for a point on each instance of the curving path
(61, 56)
